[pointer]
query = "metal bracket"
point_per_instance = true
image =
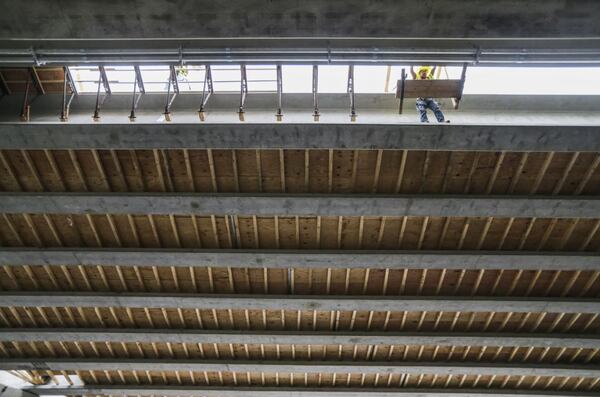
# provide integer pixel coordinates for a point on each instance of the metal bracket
(207, 91)
(279, 115)
(170, 99)
(477, 54)
(315, 92)
(243, 91)
(36, 61)
(350, 90)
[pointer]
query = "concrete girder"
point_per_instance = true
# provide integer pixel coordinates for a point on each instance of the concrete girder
(300, 136)
(285, 259)
(207, 391)
(582, 207)
(299, 302)
(280, 366)
(299, 338)
(163, 19)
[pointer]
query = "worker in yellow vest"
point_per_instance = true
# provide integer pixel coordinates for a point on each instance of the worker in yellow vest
(426, 73)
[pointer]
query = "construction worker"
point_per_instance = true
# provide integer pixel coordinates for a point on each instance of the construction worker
(426, 73)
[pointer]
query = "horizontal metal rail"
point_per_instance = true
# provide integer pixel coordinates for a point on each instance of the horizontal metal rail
(485, 55)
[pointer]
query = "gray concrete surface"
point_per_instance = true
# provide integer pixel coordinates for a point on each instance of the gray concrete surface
(208, 391)
(152, 19)
(285, 259)
(545, 110)
(583, 207)
(300, 302)
(481, 137)
(299, 337)
(280, 366)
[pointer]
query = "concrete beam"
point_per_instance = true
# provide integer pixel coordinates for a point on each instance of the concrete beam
(163, 19)
(340, 367)
(299, 338)
(208, 391)
(300, 136)
(301, 205)
(285, 259)
(299, 302)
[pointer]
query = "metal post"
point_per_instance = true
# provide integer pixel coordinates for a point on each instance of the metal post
(463, 77)
(315, 90)
(138, 77)
(102, 81)
(167, 113)
(4, 85)
(351, 92)
(63, 113)
(172, 82)
(401, 89)
(207, 90)
(37, 82)
(138, 82)
(243, 91)
(96, 116)
(105, 80)
(279, 114)
(25, 110)
(133, 102)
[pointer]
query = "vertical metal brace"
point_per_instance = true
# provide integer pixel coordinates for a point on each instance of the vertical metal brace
(26, 109)
(136, 98)
(102, 81)
(243, 91)
(72, 82)
(105, 80)
(351, 92)
(463, 77)
(279, 115)
(315, 89)
(170, 99)
(140, 81)
(207, 91)
(36, 80)
(66, 104)
(400, 89)
(4, 84)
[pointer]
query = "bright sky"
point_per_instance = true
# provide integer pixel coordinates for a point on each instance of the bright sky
(333, 79)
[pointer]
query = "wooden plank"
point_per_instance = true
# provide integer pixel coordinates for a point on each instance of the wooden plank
(431, 89)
